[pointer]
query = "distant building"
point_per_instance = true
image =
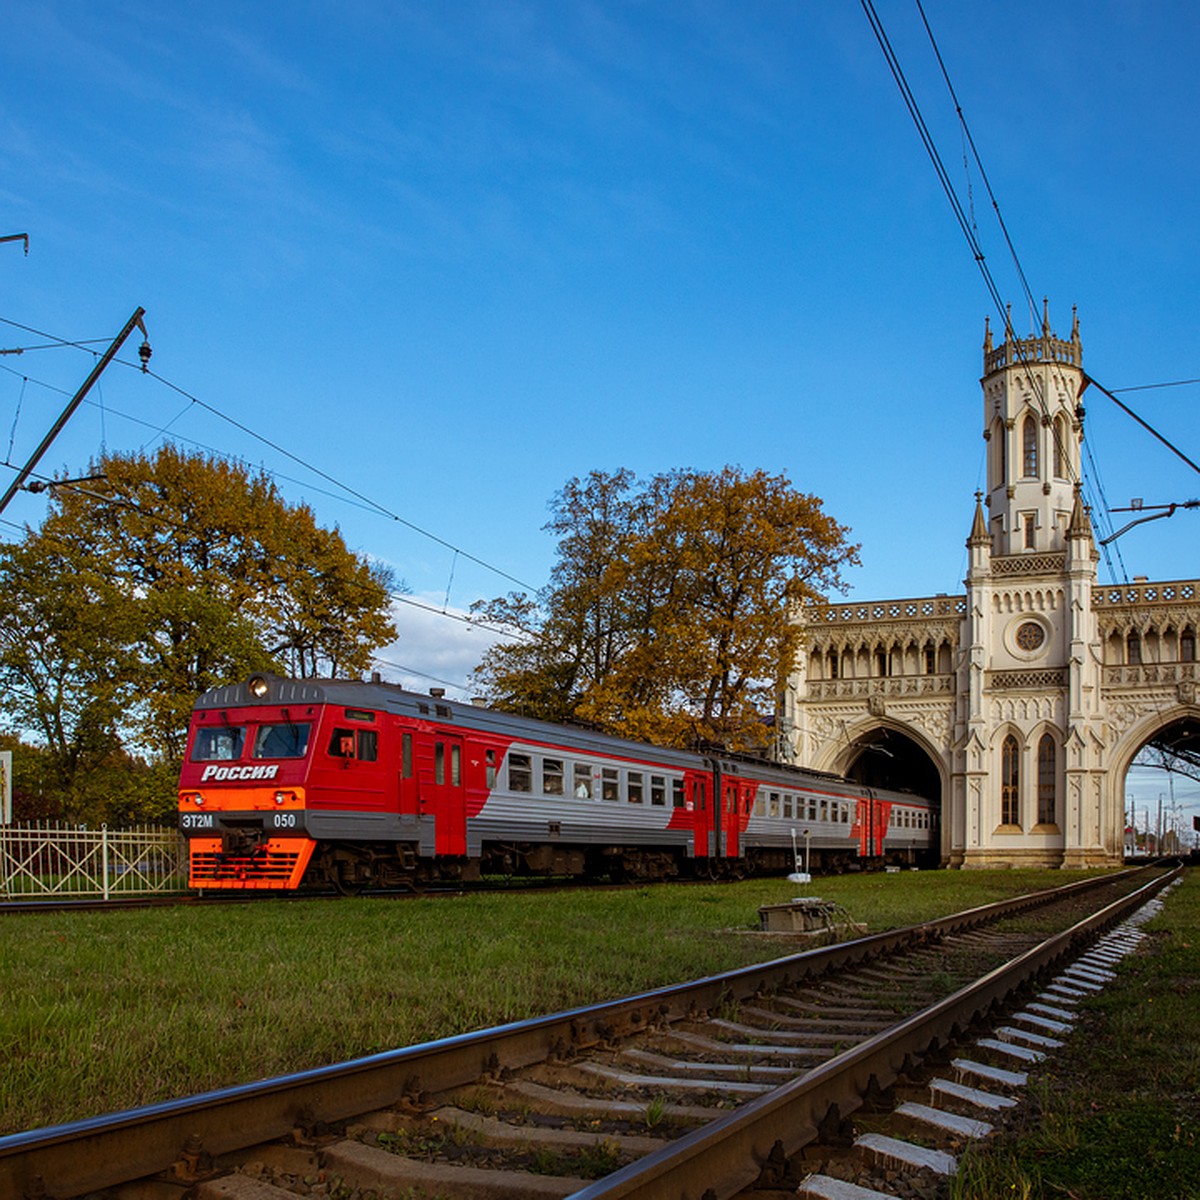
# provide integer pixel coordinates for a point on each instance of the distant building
(1020, 704)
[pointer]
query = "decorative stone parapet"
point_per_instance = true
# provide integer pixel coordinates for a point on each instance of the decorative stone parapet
(886, 610)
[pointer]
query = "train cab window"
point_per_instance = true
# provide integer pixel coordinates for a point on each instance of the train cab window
(351, 743)
(341, 744)
(439, 763)
(455, 766)
(581, 775)
(610, 783)
(677, 795)
(552, 777)
(658, 790)
(634, 782)
(406, 759)
(281, 741)
(221, 744)
(489, 764)
(520, 773)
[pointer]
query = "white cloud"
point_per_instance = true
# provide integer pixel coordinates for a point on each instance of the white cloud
(436, 646)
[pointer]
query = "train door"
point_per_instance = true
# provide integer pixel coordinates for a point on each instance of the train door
(440, 794)
(705, 836)
(864, 828)
(729, 817)
(874, 815)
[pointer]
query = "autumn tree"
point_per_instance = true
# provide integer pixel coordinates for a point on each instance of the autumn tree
(169, 575)
(667, 614)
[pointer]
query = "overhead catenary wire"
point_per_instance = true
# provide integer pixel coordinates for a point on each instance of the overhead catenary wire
(365, 500)
(970, 234)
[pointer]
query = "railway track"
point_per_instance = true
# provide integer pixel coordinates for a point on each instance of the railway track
(699, 1090)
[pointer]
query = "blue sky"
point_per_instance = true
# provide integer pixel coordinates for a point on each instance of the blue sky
(451, 255)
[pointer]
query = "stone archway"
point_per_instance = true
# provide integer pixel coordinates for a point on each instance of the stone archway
(888, 756)
(1175, 734)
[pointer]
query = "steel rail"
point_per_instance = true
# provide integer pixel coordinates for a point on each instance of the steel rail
(725, 1157)
(89, 1155)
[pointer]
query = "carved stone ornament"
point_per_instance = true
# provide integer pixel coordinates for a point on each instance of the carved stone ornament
(1186, 691)
(877, 705)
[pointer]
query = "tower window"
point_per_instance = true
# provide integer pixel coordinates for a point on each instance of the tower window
(1047, 776)
(1009, 781)
(1187, 646)
(1010, 768)
(1060, 448)
(1030, 534)
(1133, 649)
(1029, 448)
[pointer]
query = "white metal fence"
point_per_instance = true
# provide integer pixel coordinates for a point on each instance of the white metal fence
(45, 859)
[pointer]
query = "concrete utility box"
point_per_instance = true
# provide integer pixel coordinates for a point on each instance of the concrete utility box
(820, 920)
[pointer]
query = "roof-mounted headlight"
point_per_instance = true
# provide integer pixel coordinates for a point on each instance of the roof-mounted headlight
(258, 686)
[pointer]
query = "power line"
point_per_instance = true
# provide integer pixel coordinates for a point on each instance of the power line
(1146, 387)
(365, 500)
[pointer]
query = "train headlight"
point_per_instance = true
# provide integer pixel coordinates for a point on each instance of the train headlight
(280, 797)
(198, 800)
(257, 685)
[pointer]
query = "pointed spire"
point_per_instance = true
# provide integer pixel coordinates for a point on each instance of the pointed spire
(1008, 332)
(1081, 524)
(1045, 316)
(987, 335)
(979, 530)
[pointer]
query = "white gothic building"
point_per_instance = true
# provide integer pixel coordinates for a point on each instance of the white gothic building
(1020, 704)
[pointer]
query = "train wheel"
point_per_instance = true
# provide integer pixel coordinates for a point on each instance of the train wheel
(347, 880)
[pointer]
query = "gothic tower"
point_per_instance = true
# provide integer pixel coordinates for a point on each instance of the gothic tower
(1033, 425)
(1028, 764)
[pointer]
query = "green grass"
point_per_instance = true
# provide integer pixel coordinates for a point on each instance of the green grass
(103, 1011)
(1115, 1115)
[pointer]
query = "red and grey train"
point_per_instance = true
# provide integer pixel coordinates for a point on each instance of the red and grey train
(291, 782)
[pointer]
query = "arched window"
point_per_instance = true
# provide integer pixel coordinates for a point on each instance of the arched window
(1047, 780)
(1010, 779)
(833, 664)
(1000, 460)
(1187, 645)
(1133, 649)
(1029, 448)
(1060, 448)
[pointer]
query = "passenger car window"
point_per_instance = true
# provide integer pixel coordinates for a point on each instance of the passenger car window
(552, 776)
(520, 773)
(582, 780)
